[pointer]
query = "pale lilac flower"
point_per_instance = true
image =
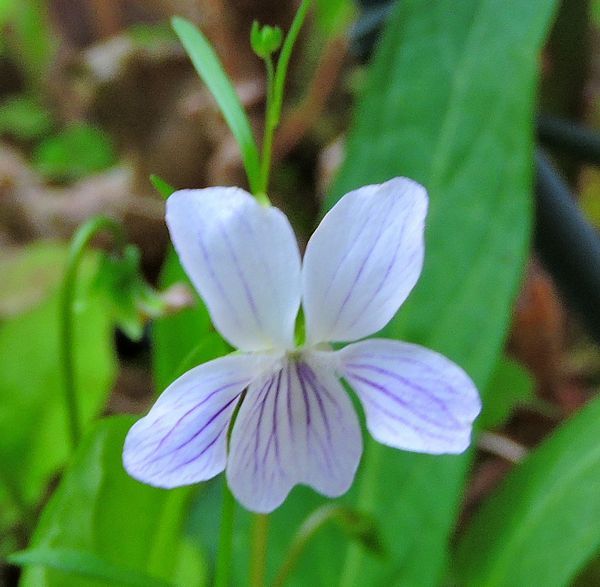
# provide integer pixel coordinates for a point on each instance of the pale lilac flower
(296, 423)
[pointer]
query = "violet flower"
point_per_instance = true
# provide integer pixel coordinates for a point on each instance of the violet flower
(296, 423)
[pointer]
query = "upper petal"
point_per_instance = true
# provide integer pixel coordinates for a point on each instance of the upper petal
(414, 398)
(363, 260)
(183, 439)
(244, 261)
(295, 426)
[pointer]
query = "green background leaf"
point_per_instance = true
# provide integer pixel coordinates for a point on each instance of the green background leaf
(75, 152)
(543, 523)
(99, 509)
(31, 388)
(439, 107)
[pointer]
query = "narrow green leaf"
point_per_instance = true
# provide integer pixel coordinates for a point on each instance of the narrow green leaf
(161, 186)
(100, 510)
(84, 564)
(211, 71)
(542, 525)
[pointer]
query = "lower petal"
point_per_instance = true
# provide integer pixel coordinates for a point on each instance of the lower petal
(183, 439)
(295, 426)
(414, 399)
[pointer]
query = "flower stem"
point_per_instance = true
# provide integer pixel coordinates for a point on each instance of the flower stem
(304, 535)
(366, 500)
(79, 243)
(258, 556)
(223, 569)
(275, 89)
(270, 125)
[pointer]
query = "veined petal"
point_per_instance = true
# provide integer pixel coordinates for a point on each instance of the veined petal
(295, 426)
(244, 261)
(414, 399)
(363, 260)
(183, 439)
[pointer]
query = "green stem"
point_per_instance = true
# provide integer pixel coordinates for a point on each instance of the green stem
(365, 502)
(223, 569)
(303, 536)
(284, 58)
(275, 89)
(79, 243)
(270, 125)
(258, 556)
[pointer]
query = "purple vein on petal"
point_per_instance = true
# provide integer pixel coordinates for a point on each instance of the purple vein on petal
(199, 405)
(412, 385)
(248, 293)
(355, 242)
(304, 383)
(385, 277)
(409, 407)
(198, 455)
(216, 280)
(380, 232)
(154, 457)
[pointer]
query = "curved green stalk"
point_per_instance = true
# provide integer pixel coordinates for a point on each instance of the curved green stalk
(79, 243)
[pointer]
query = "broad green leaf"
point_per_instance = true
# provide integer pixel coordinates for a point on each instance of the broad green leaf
(98, 509)
(509, 386)
(542, 525)
(211, 71)
(76, 152)
(449, 102)
(31, 386)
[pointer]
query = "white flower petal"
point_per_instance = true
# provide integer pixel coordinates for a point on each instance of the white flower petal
(363, 260)
(296, 426)
(243, 259)
(183, 439)
(414, 399)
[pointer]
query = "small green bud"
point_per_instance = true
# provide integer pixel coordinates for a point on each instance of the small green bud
(265, 40)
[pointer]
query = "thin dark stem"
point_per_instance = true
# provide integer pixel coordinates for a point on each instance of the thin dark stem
(79, 243)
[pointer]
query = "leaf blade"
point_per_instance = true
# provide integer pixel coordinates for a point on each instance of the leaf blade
(518, 537)
(211, 71)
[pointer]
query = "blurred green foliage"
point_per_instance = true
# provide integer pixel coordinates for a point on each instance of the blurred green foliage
(542, 524)
(31, 387)
(74, 153)
(25, 118)
(99, 510)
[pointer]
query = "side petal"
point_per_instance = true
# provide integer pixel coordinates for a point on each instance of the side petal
(296, 426)
(183, 439)
(363, 260)
(414, 399)
(244, 261)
